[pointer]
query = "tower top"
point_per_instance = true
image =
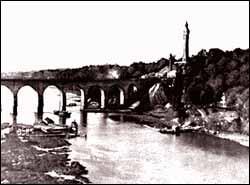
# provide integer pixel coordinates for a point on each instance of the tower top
(187, 29)
(186, 43)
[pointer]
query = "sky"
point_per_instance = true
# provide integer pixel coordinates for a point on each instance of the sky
(61, 34)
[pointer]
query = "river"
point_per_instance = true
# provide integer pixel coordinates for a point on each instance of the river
(125, 152)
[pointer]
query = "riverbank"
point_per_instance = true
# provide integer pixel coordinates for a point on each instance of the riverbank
(38, 159)
(159, 121)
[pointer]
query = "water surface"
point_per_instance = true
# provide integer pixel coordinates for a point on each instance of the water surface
(124, 152)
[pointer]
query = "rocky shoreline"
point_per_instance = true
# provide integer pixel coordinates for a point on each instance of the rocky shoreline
(35, 160)
(160, 121)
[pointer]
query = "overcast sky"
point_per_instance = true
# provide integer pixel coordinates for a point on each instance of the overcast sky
(43, 35)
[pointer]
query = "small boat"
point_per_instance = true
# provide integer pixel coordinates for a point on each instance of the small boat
(57, 129)
(66, 114)
(169, 131)
(72, 104)
(179, 129)
(191, 128)
(53, 129)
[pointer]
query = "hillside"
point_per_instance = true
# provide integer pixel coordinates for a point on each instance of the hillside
(209, 76)
(214, 73)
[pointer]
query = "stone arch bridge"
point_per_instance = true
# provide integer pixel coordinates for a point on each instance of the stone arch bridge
(39, 85)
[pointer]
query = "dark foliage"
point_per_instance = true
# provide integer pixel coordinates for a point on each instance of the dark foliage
(211, 73)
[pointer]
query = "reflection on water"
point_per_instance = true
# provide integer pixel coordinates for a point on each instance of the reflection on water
(123, 152)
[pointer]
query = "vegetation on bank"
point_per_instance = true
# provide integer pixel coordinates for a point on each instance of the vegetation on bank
(214, 73)
(208, 77)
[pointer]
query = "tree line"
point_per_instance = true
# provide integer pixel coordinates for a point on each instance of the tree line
(209, 74)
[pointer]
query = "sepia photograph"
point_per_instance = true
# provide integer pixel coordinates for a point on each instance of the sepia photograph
(124, 92)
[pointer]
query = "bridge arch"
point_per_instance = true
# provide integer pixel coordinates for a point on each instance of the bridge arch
(27, 101)
(6, 104)
(53, 98)
(115, 96)
(132, 93)
(74, 95)
(75, 101)
(26, 85)
(54, 86)
(95, 97)
(6, 88)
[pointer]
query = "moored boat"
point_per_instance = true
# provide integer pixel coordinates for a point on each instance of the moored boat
(180, 129)
(57, 129)
(65, 114)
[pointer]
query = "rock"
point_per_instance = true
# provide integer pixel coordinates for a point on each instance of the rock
(193, 124)
(135, 105)
(245, 126)
(176, 128)
(174, 122)
(224, 124)
(5, 181)
(235, 126)
(77, 169)
(157, 95)
(158, 108)
(171, 114)
(167, 106)
(171, 74)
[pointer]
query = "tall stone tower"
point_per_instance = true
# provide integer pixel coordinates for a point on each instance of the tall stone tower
(186, 44)
(181, 76)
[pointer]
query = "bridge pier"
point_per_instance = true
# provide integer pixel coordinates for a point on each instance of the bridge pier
(125, 103)
(14, 115)
(39, 115)
(83, 118)
(85, 103)
(62, 119)
(64, 101)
